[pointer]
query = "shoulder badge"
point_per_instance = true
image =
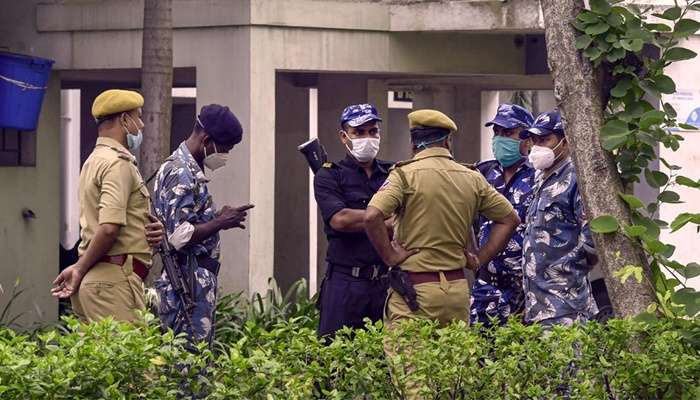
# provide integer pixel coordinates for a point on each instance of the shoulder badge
(328, 165)
(469, 165)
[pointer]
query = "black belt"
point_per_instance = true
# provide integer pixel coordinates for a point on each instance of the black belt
(371, 272)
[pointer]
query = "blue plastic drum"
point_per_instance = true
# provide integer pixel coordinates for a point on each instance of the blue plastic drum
(23, 81)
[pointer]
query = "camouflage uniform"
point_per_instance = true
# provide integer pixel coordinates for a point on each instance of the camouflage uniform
(498, 288)
(557, 289)
(181, 195)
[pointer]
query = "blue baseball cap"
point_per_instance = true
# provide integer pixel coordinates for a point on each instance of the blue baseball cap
(546, 123)
(358, 114)
(220, 124)
(510, 116)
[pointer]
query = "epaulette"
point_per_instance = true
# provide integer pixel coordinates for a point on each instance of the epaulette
(469, 165)
(123, 155)
(328, 164)
(402, 163)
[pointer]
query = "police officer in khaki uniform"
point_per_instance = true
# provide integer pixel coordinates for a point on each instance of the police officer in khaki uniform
(116, 225)
(436, 200)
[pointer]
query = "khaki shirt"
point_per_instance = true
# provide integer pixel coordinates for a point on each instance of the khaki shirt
(111, 190)
(436, 205)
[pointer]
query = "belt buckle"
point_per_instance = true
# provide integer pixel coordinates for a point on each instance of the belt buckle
(355, 272)
(375, 272)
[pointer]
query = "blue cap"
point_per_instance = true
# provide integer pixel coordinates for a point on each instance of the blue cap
(358, 114)
(546, 123)
(220, 124)
(511, 116)
(694, 118)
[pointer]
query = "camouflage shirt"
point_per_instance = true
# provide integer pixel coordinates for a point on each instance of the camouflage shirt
(181, 195)
(498, 288)
(554, 251)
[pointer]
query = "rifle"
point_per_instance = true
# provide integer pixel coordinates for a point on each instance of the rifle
(315, 154)
(180, 284)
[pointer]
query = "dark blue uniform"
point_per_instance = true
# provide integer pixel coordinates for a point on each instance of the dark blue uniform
(498, 288)
(351, 289)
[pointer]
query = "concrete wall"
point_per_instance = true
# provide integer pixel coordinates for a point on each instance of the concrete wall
(29, 248)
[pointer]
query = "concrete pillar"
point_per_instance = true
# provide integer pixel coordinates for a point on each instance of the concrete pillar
(291, 182)
(467, 114)
(228, 81)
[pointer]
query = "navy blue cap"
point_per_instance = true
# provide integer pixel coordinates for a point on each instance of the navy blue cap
(358, 114)
(546, 123)
(220, 124)
(510, 116)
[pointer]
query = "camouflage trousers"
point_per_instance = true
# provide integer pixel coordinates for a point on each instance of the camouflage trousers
(204, 295)
(491, 300)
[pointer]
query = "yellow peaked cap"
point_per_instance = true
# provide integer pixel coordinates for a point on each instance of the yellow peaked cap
(115, 101)
(431, 118)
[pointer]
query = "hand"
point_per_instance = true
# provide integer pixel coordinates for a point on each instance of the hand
(155, 232)
(233, 217)
(399, 254)
(67, 282)
(473, 262)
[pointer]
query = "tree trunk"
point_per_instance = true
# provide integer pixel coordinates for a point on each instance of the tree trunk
(156, 83)
(577, 90)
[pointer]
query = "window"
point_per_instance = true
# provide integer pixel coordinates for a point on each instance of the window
(17, 148)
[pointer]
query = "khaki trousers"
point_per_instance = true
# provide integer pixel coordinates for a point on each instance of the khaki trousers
(443, 301)
(109, 290)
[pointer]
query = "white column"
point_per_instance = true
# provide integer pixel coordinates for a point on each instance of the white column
(70, 167)
(313, 213)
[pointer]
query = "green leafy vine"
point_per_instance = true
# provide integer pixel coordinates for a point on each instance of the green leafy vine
(632, 47)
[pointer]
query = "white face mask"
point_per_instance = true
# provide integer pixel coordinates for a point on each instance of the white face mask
(133, 140)
(543, 157)
(364, 149)
(215, 160)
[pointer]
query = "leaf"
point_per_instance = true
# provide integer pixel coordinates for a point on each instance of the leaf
(685, 181)
(691, 270)
(668, 196)
(583, 41)
(601, 7)
(655, 179)
(615, 55)
(679, 54)
(655, 246)
(615, 19)
(597, 29)
(158, 360)
(688, 127)
(685, 27)
(615, 127)
(592, 53)
(659, 27)
(688, 297)
(632, 201)
(635, 230)
(588, 17)
(604, 224)
(622, 86)
(668, 108)
(671, 14)
(663, 84)
(684, 218)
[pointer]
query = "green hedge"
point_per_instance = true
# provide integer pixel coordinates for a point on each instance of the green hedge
(622, 360)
